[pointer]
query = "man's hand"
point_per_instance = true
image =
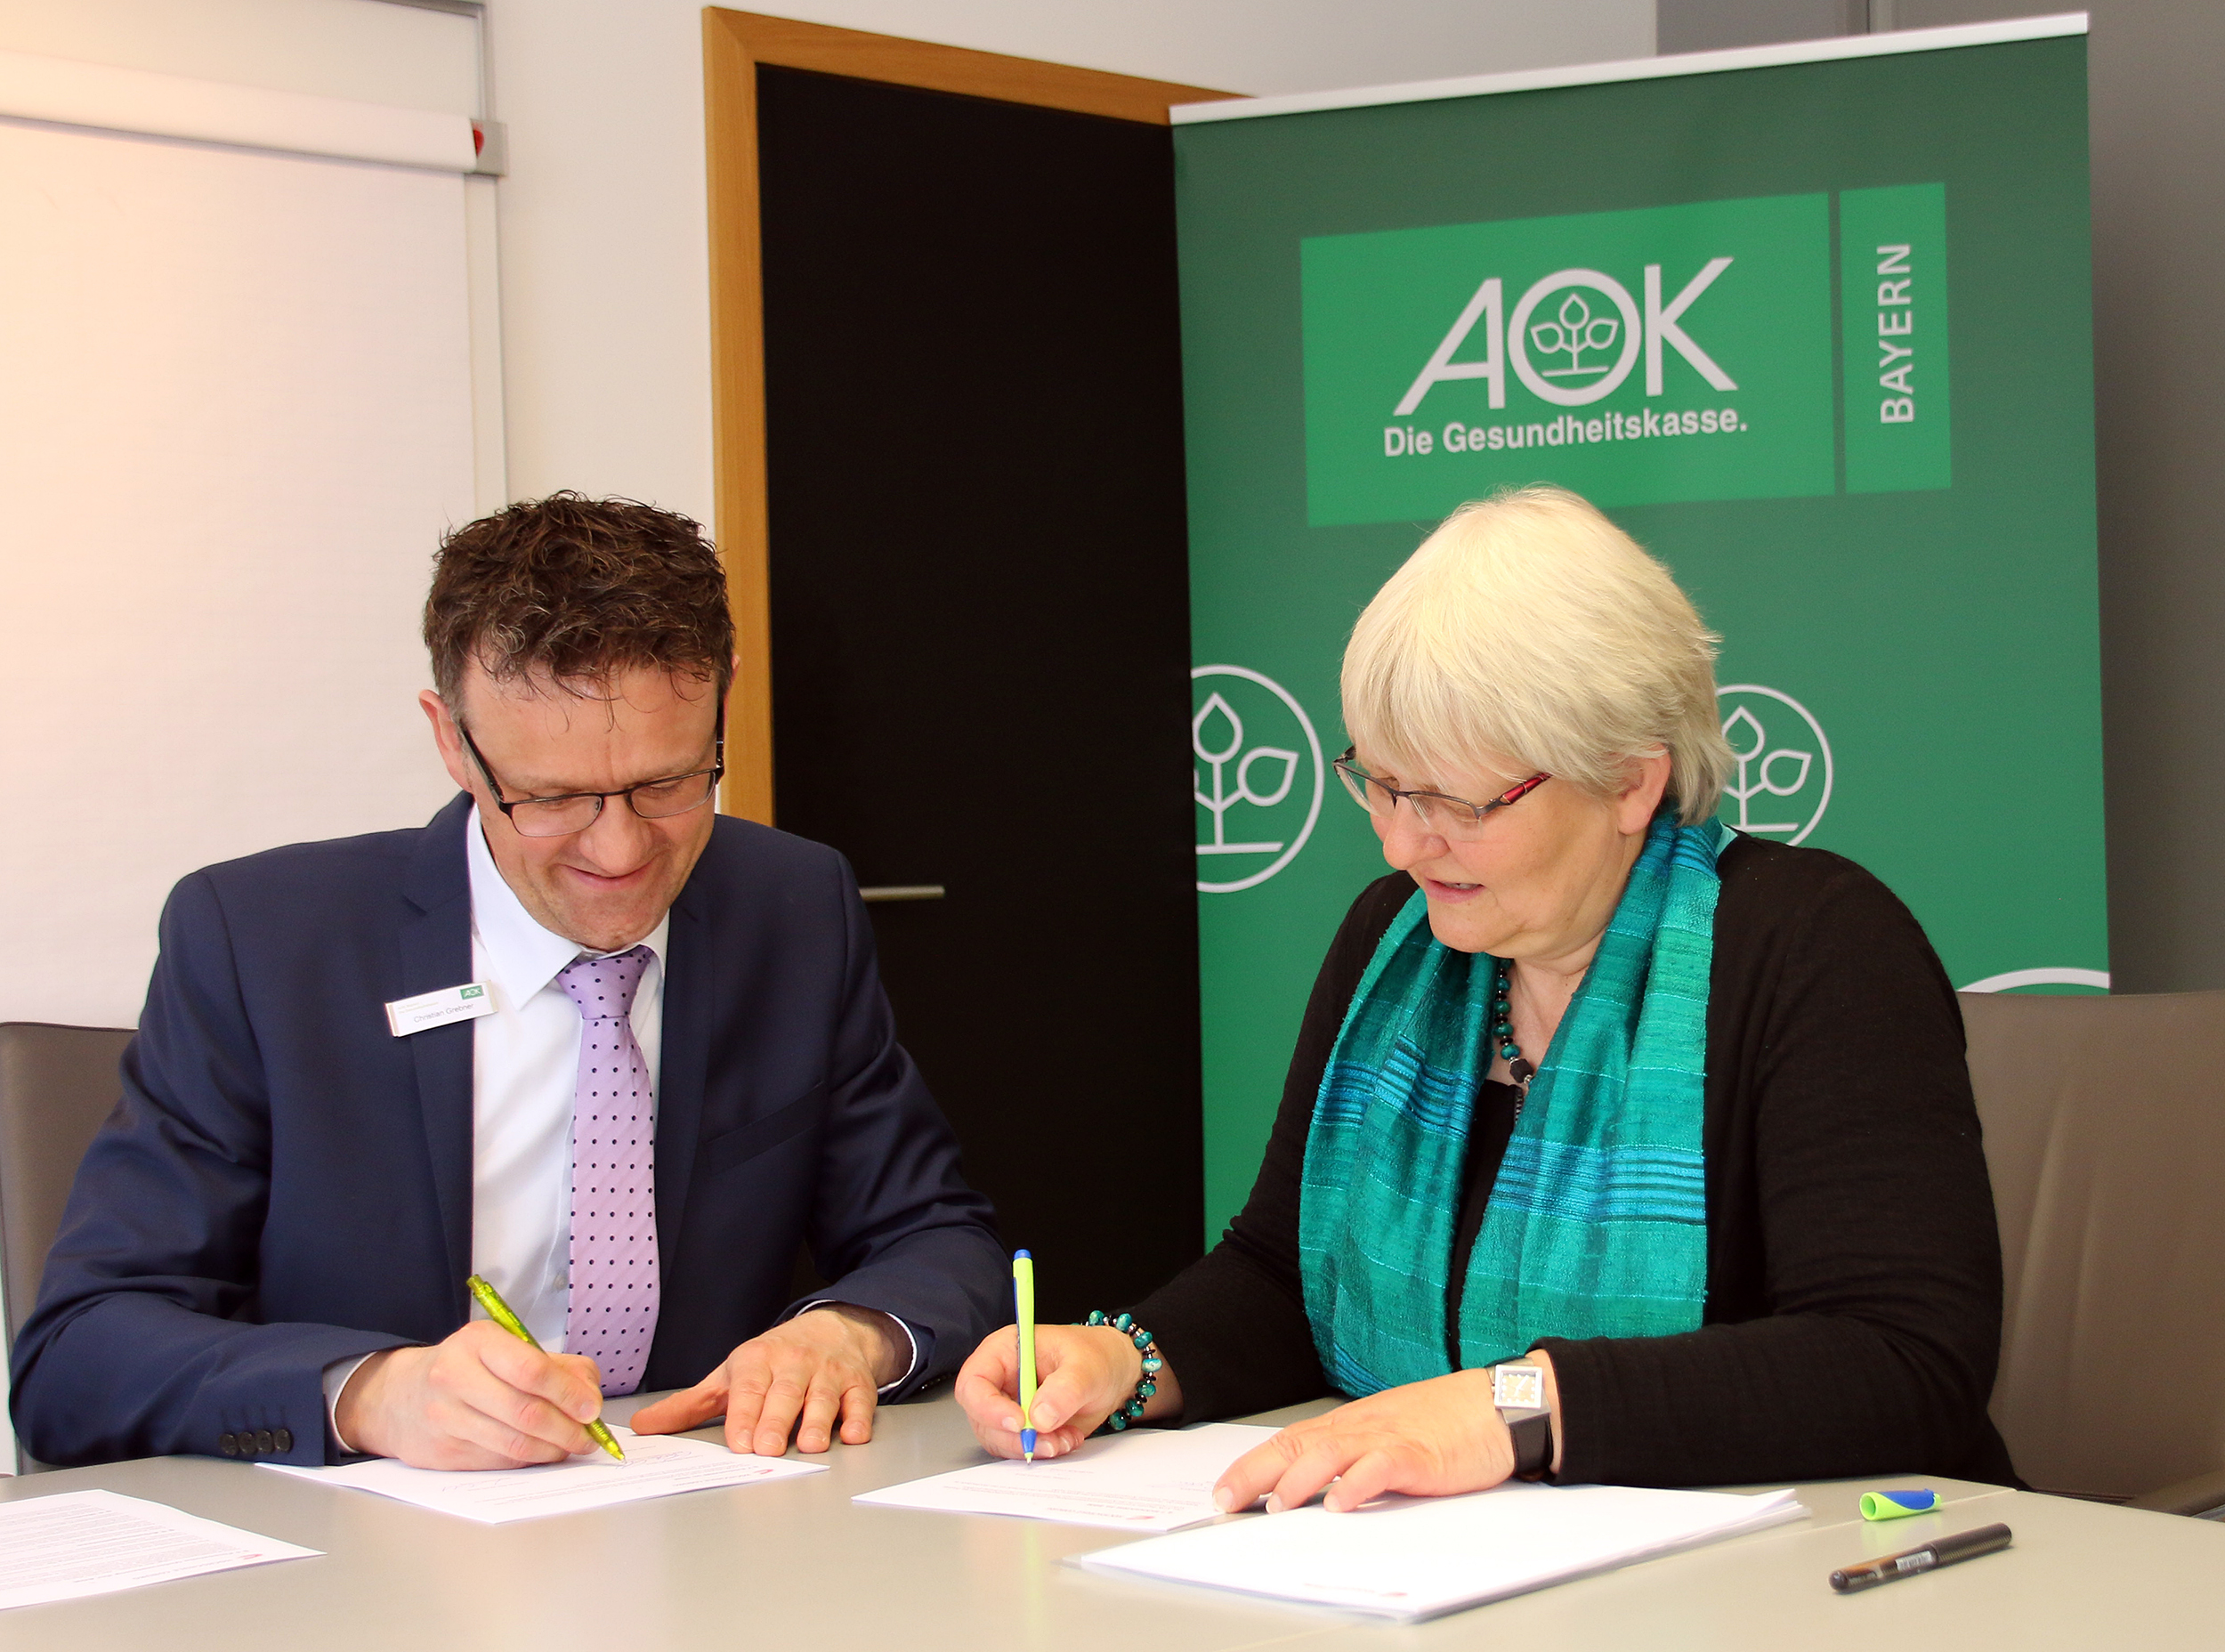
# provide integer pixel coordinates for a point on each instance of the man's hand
(482, 1400)
(828, 1362)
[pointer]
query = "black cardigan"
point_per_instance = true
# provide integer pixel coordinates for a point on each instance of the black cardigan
(1853, 1315)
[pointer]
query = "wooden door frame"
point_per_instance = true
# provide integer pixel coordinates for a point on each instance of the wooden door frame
(734, 43)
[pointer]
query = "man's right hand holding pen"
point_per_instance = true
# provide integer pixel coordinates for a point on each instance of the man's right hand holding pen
(480, 1399)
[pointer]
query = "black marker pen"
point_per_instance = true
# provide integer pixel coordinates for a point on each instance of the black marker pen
(1945, 1551)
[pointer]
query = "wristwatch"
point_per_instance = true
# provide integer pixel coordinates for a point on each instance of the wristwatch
(1518, 1391)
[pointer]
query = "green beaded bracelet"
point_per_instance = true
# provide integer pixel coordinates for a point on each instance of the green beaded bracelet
(1154, 1363)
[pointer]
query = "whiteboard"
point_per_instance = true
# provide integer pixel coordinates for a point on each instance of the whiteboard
(235, 418)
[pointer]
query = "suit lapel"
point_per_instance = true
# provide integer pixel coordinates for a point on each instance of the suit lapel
(682, 1062)
(436, 951)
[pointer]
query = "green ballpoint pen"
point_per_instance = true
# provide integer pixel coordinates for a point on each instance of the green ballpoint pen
(499, 1312)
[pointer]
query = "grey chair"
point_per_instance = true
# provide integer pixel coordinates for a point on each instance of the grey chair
(2105, 1136)
(57, 1085)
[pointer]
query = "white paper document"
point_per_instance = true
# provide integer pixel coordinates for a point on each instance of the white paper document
(656, 1465)
(1410, 1557)
(1150, 1480)
(79, 1543)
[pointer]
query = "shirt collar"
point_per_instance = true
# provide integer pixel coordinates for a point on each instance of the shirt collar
(521, 956)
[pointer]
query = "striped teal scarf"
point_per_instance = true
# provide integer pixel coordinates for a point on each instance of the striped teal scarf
(1598, 1223)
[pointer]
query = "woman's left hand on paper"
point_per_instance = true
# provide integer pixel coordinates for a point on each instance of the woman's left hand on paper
(1429, 1439)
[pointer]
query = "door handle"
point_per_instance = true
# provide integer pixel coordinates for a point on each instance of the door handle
(874, 893)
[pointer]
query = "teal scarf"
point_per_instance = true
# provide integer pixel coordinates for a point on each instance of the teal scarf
(1596, 1225)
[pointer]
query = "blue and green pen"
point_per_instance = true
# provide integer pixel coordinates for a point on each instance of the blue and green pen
(1024, 1317)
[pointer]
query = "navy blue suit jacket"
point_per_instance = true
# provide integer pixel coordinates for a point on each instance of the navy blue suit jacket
(285, 1183)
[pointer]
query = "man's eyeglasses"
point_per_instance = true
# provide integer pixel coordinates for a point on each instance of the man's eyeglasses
(1448, 816)
(576, 811)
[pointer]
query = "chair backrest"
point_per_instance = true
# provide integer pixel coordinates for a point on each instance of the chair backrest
(2105, 1136)
(57, 1086)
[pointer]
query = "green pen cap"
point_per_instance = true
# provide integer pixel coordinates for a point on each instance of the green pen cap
(1897, 1505)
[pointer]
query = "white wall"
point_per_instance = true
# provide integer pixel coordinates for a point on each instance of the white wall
(369, 51)
(606, 326)
(246, 392)
(374, 53)
(236, 418)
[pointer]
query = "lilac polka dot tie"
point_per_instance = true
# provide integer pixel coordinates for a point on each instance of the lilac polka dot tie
(612, 1314)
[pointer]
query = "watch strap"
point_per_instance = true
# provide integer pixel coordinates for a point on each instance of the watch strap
(1532, 1433)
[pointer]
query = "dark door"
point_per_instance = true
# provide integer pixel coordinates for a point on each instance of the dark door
(980, 629)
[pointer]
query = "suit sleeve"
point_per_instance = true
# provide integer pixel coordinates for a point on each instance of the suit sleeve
(894, 1226)
(1880, 1262)
(141, 1345)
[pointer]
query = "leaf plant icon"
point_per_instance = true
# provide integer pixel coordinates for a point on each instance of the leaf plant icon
(1223, 797)
(1749, 742)
(1576, 331)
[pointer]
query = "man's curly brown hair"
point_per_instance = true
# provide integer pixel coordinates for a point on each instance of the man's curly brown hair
(577, 590)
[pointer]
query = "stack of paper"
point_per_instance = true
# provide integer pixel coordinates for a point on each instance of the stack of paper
(79, 1543)
(1145, 1481)
(1411, 1557)
(655, 1466)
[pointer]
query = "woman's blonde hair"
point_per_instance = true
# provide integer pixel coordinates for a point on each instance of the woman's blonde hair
(1529, 627)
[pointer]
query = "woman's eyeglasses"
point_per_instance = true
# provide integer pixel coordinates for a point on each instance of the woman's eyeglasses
(1448, 816)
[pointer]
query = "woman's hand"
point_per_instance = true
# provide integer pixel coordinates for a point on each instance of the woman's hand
(1430, 1439)
(1083, 1374)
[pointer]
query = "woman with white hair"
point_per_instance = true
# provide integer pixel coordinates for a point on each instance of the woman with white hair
(1617, 1147)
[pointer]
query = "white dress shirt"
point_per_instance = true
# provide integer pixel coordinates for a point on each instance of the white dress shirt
(525, 1067)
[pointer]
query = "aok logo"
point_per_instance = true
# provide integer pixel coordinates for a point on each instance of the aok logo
(1783, 783)
(1578, 356)
(1674, 352)
(1256, 777)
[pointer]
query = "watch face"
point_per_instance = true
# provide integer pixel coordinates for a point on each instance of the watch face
(1517, 1388)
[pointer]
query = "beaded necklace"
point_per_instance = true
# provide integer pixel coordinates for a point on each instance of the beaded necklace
(1502, 1029)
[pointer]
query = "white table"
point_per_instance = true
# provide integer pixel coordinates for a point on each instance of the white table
(793, 1565)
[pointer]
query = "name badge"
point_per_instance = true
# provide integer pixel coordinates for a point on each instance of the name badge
(427, 1010)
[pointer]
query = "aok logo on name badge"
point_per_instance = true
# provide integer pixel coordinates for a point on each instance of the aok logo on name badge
(1666, 353)
(448, 1005)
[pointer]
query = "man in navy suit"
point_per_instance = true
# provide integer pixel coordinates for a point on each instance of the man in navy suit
(579, 1034)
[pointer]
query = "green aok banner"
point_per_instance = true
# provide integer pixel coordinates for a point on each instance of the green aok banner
(1602, 334)
(1814, 325)
(1584, 338)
